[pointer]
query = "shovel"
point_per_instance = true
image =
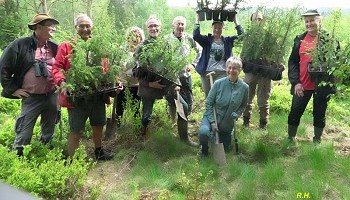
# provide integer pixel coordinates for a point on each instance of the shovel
(218, 148)
(111, 122)
(235, 144)
(179, 106)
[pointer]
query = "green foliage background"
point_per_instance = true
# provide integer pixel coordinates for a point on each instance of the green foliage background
(163, 166)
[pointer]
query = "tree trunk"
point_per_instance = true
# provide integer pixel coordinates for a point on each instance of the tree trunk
(89, 8)
(43, 6)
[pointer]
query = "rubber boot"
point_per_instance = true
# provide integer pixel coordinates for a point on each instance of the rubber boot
(172, 113)
(292, 132)
(246, 121)
(263, 123)
(203, 140)
(182, 129)
(318, 132)
(144, 132)
(19, 151)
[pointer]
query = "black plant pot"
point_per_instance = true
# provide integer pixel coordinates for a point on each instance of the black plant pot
(201, 15)
(268, 71)
(318, 73)
(216, 15)
(231, 15)
(209, 14)
(223, 15)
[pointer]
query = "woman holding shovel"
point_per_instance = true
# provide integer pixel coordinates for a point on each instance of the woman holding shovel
(226, 101)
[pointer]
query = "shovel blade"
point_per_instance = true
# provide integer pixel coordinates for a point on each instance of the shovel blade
(180, 109)
(111, 127)
(219, 154)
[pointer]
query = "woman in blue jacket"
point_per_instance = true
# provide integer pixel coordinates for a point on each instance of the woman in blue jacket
(228, 97)
(216, 50)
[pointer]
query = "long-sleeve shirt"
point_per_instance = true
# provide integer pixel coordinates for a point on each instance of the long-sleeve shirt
(206, 41)
(226, 97)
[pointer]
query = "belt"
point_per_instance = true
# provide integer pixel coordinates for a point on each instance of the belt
(43, 94)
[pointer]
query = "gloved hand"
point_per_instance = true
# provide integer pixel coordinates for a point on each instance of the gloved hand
(214, 127)
(234, 115)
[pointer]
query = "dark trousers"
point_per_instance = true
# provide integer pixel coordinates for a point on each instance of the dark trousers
(122, 98)
(319, 108)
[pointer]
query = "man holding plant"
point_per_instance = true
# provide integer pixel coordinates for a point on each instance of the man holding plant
(26, 73)
(259, 85)
(150, 90)
(186, 43)
(303, 88)
(216, 50)
(92, 107)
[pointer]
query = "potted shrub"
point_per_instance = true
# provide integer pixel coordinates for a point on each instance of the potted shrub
(161, 59)
(93, 64)
(325, 57)
(267, 42)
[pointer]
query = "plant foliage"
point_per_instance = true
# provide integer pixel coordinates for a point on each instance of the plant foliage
(269, 40)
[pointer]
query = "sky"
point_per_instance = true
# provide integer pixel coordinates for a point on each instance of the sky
(308, 4)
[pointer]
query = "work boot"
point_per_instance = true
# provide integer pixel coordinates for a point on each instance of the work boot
(246, 121)
(263, 123)
(182, 129)
(292, 132)
(318, 132)
(100, 154)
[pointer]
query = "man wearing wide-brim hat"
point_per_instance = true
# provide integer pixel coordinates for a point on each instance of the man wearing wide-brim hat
(25, 74)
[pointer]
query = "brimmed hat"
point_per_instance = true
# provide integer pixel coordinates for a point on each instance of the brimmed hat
(311, 13)
(39, 18)
(217, 22)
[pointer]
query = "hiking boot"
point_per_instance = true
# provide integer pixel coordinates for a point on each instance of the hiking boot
(100, 154)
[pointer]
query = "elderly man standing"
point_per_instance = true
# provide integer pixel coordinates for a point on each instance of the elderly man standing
(186, 42)
(26, 66)
(92, 107)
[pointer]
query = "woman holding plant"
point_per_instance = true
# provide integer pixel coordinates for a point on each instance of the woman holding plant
(303, 88)
(216, 50)
(134, 37)
(92, 107)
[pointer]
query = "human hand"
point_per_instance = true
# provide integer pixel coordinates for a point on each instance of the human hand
(214, 127)
(234, 115)
(282, 67)
(197, 18)
(177, 89)
(64, 89)
(299, 90)
(120, 87)
(189, 67)
(156, 84)
(20, 93)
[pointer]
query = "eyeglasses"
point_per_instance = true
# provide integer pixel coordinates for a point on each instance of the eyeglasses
(153, 26)
(82, 26)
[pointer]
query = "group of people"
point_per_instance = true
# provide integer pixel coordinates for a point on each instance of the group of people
(31, 70)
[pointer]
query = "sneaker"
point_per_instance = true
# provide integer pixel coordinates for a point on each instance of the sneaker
(100, 154)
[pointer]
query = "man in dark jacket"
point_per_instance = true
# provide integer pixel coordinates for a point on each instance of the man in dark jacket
(26, 74)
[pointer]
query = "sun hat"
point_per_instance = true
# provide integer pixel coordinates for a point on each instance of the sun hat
(39, 18)
(311, 13)
(217, 22)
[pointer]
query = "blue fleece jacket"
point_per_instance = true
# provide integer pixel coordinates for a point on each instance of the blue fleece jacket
(206, 40)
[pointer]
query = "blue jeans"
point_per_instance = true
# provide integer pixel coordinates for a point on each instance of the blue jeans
(299, 104)
(147, 107)
(206, 135)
